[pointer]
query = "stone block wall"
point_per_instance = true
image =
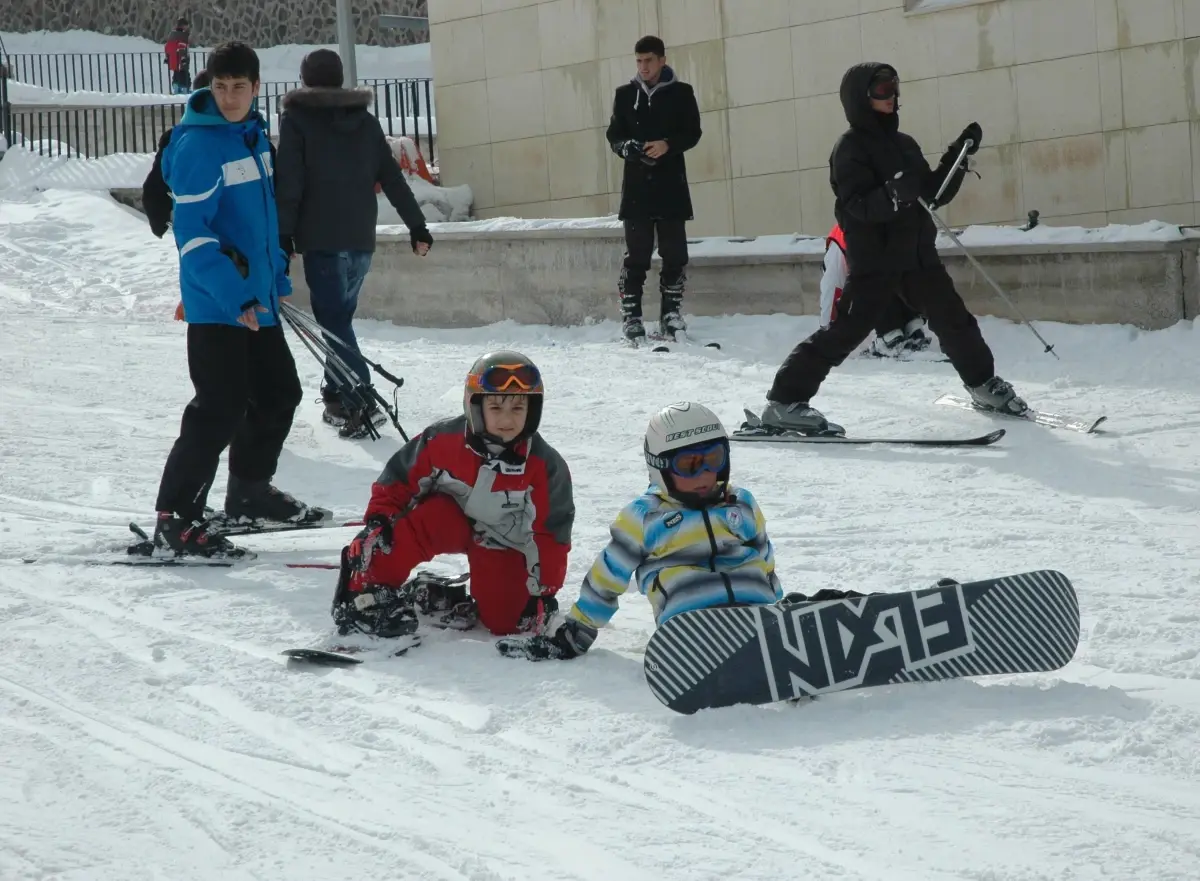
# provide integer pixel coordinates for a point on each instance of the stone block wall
(261, 23)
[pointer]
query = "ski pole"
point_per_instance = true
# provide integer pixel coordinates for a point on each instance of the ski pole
(310, 333)
(962, 154)
(995, 287)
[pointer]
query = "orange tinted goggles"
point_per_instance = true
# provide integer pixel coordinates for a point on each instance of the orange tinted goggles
(510, 379)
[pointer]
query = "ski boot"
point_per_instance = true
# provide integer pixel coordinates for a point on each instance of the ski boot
(376, 610)
(359, 423)
(196, 538)
(443, 599)
(251, 502)
(670, 320)
(335, 411)
(633, 330)
(800, 418)
(915, 337)
(998, 395)
(890, 345)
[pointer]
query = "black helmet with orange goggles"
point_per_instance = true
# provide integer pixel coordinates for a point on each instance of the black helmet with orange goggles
(501, 373)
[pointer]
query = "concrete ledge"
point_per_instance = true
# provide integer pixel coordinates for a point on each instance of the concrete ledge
(569, 276)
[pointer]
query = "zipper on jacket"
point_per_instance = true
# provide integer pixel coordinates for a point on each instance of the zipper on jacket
(712, 558)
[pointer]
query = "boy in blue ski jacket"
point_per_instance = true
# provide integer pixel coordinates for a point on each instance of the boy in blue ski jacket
(232, 274)
(691, 541)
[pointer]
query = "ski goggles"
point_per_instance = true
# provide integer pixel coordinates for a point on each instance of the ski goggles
(509, 379)
(694, 461)
(884, 86)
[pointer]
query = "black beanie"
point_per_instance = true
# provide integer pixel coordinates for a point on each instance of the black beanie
(322, 68)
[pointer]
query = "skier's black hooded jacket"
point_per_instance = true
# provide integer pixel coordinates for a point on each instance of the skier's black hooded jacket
(331, 153)
(879, 238)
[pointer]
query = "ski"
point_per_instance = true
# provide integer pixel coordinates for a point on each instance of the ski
(246, 526)
(754, 431)
(350, 655)
(658, 343)
(137, 560)
(1086, 425)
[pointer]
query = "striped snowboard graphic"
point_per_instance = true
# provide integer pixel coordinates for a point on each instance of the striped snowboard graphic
(718, 657)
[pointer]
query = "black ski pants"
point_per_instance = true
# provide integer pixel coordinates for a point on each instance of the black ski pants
(639, 249)
(247, 391)
(930, 291)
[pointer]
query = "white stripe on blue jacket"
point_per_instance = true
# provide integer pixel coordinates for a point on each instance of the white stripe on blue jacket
(220, 177)
(682, 558)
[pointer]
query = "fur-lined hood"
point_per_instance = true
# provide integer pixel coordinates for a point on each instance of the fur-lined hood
(322, 98)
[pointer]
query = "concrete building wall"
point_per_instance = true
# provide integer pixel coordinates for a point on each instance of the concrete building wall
(1089, 108)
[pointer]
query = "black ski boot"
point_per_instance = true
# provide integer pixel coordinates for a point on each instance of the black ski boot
(632, 327)
(670, 320)
(444, 599)
(998, 395)
(196, 538)
(378, 610)
(798, 417)
(358, 423)
(257, 501)
(335, 411)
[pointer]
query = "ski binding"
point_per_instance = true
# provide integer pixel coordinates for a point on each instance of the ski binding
(753, 430)
(1051, 420)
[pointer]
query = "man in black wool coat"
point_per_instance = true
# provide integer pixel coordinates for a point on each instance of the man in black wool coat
(655, 120)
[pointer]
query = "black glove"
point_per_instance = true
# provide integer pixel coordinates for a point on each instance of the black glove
(288, 244)
(158, 227)
(568, 639)
(420, 234)
(904, 189)
(972, 133)
(630, 151)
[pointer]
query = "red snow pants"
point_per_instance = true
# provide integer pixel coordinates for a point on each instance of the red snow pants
(438, 526)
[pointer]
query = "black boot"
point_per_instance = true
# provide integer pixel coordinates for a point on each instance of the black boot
(385, 612)
(631, 309)
(444, 600)
(196, 538)
(670, 320)
(252, 501)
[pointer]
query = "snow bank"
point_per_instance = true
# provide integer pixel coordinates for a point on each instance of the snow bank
(24, 169)
(22, 93)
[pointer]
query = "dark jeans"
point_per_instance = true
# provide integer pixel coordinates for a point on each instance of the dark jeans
(639, 249)
(865, 298)
(334, 279)
(247, 391)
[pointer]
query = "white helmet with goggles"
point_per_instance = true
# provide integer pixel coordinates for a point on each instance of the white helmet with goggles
(685, 440)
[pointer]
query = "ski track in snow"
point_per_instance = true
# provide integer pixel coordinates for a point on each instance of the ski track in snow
(151, 730)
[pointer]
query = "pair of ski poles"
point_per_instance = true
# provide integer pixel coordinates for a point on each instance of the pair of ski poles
(356, 395)
(931, 207)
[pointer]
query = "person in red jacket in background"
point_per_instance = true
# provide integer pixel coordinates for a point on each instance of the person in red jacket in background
(900, 328)
(484, 484)
(179, 60)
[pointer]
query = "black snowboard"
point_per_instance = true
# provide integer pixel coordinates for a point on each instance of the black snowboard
(762, 654)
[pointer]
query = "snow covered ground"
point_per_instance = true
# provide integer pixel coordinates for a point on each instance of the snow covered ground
(151, 730)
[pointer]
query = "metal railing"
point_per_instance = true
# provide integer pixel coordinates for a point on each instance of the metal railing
(90, 132)
(140, 72)
(404, 107)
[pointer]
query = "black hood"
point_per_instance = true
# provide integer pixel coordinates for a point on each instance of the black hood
(347, 107)
(857, 104)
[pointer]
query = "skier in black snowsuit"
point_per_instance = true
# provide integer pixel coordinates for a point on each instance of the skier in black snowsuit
(655, 120)
(878, 174)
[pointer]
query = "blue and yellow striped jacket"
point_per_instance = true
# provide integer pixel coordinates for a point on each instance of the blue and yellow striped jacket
(682, 558)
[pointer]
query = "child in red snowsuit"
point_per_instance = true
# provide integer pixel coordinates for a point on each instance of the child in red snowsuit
(484, 484)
